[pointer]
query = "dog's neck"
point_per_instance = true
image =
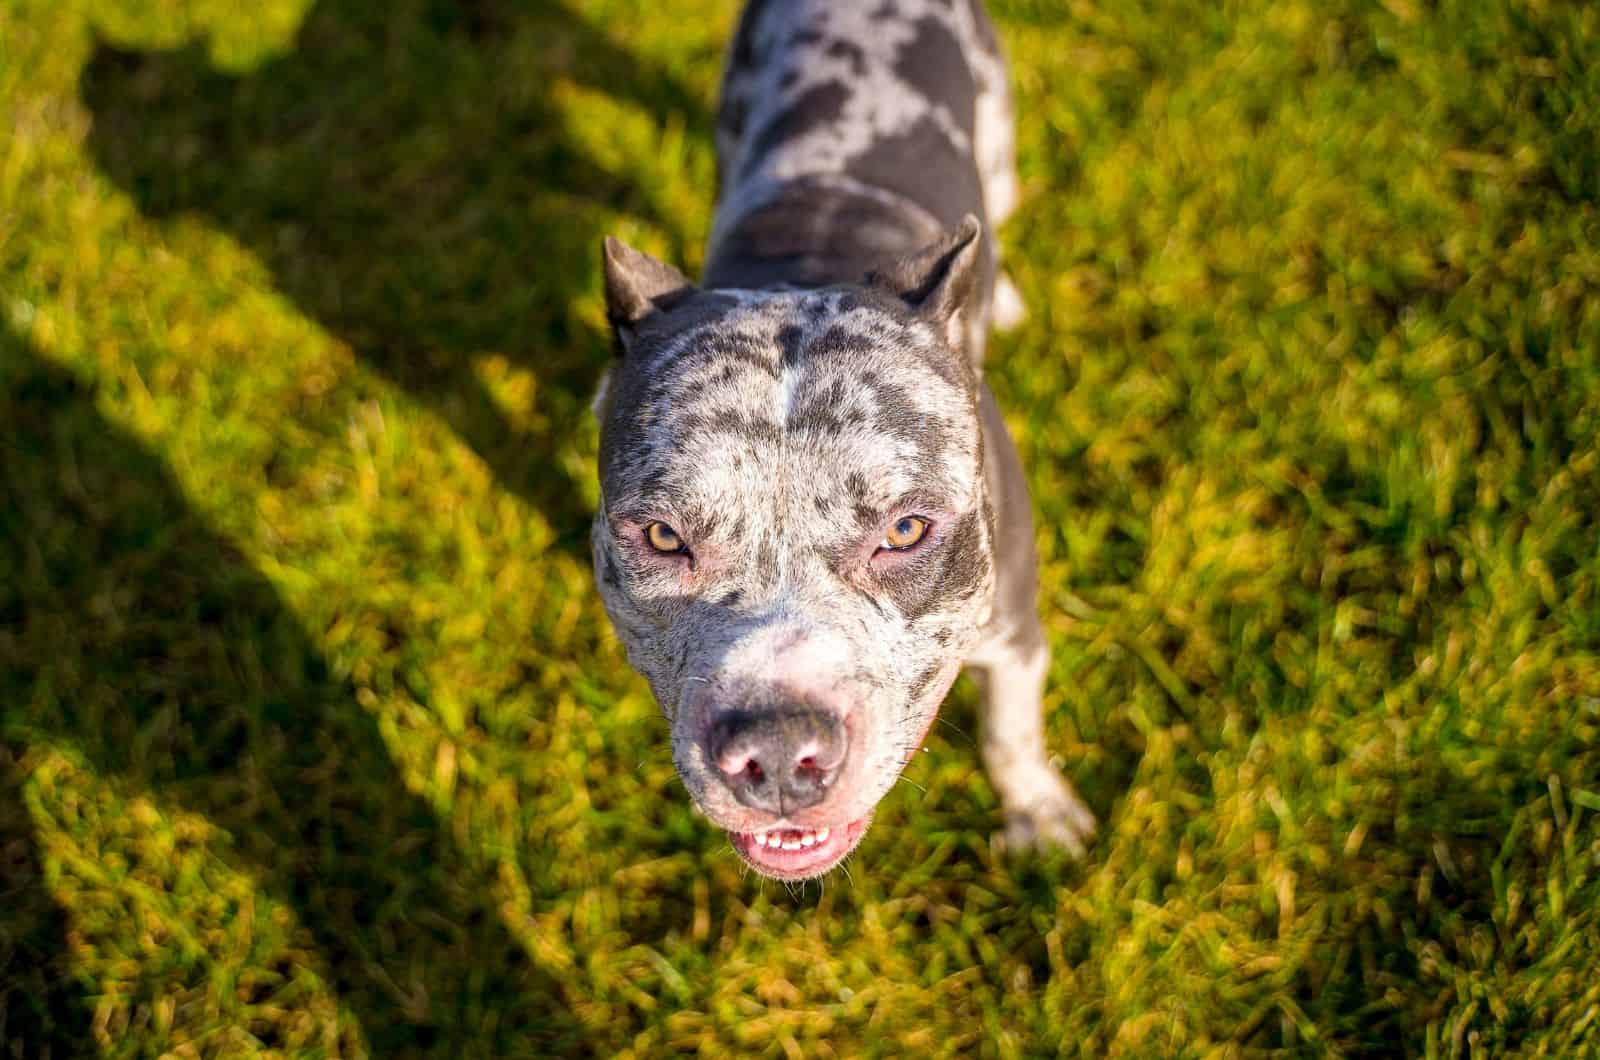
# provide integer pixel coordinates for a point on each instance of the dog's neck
(812, 232)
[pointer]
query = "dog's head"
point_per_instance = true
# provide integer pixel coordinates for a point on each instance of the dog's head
(793, 539)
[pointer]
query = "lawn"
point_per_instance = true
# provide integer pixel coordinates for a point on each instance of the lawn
(314, 740)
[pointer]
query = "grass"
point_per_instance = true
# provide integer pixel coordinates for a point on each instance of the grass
(313, 738)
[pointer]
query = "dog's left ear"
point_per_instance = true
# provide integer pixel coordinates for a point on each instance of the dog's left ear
(940, 283)
(638, 286)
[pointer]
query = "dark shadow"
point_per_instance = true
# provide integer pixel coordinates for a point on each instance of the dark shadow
(406, 175)
(42, 1011)
(134, 636)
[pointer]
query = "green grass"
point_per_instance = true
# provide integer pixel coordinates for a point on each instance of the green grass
(314, 740)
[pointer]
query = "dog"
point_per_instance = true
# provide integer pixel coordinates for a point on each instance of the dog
(811, 514)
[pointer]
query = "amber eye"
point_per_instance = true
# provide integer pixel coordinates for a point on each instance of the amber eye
(906, 533)
(663, 538)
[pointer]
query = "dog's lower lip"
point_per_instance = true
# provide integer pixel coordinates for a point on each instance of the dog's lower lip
(797, 852)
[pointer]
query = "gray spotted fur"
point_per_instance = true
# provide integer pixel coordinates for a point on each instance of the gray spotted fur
(824, 380)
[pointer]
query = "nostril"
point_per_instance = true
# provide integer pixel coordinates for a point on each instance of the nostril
(744, 767)
(813, 756)
(734, 763)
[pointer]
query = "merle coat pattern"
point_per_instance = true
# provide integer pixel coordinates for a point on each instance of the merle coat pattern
(820, 387)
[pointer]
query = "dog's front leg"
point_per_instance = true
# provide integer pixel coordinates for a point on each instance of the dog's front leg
(1040, 806)
(1010, 663)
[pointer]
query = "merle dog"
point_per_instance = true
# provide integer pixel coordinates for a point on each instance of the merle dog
(812, 516)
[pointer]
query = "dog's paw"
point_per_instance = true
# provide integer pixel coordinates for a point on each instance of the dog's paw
(1009, 308)
(1042, 811)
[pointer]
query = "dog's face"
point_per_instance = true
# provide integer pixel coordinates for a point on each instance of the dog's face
(793, 540)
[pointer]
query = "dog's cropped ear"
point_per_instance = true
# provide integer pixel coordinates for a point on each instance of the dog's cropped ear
(638, 285)
(940, 282)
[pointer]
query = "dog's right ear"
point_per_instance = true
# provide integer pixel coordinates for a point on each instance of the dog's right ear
(939, 283)
(637, 286)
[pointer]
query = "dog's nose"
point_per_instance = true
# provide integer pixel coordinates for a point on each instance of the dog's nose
(777, 760)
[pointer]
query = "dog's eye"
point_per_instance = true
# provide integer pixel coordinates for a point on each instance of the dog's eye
(664, 538)
(905, 534)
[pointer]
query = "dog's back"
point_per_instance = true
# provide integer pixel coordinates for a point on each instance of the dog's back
(855, 131)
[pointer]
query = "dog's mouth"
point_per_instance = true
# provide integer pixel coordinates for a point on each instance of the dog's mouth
(798, 853)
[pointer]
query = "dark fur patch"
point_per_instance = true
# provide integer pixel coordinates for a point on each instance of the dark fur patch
(925, 166)
(933, 62)
(728, 423)
(790, 339)
(814, 235)
(843, 49)
(743, 54)
(827, 412)
(814, 108)
(731, 116)
(737, 350)
(924, 679)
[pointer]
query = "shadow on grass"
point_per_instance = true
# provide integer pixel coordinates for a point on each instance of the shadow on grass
(407, 177)
(135, 637)
(42, 1013)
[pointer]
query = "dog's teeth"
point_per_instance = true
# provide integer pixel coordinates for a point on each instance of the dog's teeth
(791, 838)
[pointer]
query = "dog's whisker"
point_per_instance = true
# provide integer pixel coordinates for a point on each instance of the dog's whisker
(942, 720)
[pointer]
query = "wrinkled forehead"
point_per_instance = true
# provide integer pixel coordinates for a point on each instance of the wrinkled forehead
(792, 403)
